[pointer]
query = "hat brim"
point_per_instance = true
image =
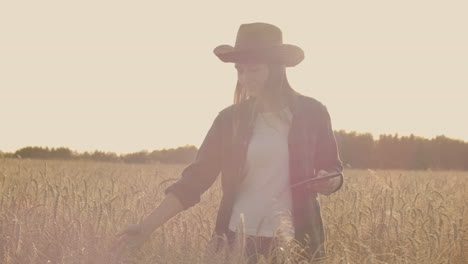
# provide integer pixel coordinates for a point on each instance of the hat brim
(285, 54)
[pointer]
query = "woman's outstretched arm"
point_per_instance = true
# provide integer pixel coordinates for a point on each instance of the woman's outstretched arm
(136, 234)
(168, 208)
(203, 171)
(186, 192)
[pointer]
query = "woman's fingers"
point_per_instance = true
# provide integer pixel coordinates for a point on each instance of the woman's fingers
(321, 173)
(121, 233)
(326, 186)
(130, 237)
(130, 230)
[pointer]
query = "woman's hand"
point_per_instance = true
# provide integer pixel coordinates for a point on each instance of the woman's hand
(133, 236)
(324, 187)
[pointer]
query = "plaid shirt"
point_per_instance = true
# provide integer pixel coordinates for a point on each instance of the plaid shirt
(312, 147)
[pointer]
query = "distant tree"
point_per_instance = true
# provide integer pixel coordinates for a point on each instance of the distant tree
(33, 153)
(465, 154)
(183, 154)
(421, 156)
(104, 156)
(61, 153)
(356, 150)
(137, 157)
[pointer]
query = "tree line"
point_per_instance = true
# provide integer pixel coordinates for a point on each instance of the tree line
(357, 150)
(183, 154)
(401, 152)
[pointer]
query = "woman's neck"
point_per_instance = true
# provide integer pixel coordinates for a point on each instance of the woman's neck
(268, 108)
(273, 106)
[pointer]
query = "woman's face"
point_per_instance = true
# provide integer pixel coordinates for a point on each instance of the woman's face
(252, 76)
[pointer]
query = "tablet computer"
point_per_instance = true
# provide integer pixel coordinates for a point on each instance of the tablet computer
(317, 179)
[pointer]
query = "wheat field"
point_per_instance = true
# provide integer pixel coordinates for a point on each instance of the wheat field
(70, 211)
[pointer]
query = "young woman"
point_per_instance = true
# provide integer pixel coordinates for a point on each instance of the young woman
(270, 139)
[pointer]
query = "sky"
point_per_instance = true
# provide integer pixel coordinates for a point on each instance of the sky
(126, 76)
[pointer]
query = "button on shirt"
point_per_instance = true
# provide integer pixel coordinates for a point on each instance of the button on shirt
(264, 198)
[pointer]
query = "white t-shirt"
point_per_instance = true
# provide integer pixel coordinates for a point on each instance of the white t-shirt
(264, 194)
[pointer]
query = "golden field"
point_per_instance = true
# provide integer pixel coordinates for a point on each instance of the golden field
(70, 211)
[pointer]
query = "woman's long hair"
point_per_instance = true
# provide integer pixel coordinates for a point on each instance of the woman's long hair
(277, 91)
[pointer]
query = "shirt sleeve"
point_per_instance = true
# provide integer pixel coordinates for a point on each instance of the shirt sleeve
(327, 157)
(197, 177)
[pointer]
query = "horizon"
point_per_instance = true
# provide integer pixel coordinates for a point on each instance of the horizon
(125, 77)
(374, 137)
